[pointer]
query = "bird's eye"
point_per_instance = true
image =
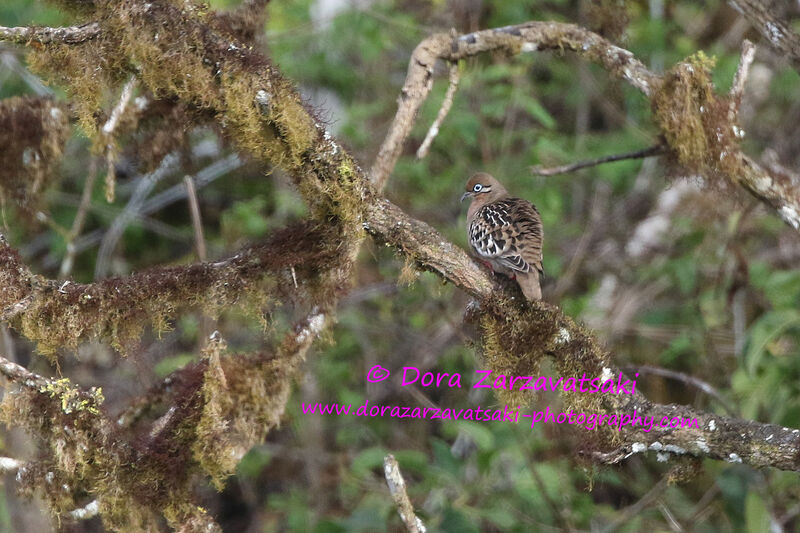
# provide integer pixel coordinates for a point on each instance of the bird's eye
(477, 187)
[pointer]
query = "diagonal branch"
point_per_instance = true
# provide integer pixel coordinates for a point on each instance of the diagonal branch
(776, 31)
(572, 347)
(397, 486)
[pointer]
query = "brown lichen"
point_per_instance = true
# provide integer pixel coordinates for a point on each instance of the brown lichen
(608, 18)
(32, 133)
(15, 278)
(244, 397)
(65, 314)
(694, 121)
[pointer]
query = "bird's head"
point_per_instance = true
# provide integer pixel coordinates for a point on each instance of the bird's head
(484, 188)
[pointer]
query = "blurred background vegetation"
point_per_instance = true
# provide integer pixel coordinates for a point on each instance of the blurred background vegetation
(671, 274)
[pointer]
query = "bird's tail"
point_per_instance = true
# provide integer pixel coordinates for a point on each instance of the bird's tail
(529, 283)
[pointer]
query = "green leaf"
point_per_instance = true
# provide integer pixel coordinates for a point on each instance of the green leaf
(765, 330)
(756, 515)
(367, 460)
(479, 433)
(537, 111)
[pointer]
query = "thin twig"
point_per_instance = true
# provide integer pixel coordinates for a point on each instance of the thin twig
(740, 78)
(207, 324)
(685, 378)
(68, 35)
(398, 489)
(632, 510)
(157, 202)
(657, 149)
(132, 210)
(197, 222)
(447, 103)
(33, 81)
(80, 219)
(108, 132)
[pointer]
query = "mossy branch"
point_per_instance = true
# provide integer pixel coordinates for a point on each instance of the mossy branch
(691, 116)
(57, 314)
(226, 403)
(515, 336)
(214, 412)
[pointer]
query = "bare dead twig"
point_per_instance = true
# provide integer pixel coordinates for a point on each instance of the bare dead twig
(197, 222)
(740, 78)
(397, 486)
(657, 149)
(529, 37)
(157, 202)
(80, 219)
(131, 211)
(447, 103)
(33, 81)
(538, 36)
(207, 323)
(108, 133)
(68, 35)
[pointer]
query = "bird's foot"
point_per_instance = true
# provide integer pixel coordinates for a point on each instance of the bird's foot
(486, 264)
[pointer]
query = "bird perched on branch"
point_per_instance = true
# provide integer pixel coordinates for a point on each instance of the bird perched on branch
(505, 232)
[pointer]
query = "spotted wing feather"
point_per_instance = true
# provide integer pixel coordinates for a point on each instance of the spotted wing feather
(508, 232)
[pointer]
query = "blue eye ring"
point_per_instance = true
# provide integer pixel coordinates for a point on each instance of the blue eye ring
(477, 187)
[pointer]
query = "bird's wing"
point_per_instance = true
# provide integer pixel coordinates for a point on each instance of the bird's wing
(509, 231)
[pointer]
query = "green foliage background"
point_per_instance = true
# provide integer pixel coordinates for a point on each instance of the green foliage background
(716, 297)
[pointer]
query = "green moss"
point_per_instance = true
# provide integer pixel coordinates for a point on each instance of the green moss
(119, 309)
(694, 120)
(243, 398)
(513, 344)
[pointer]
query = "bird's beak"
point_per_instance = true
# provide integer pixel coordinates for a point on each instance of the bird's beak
(465, 196)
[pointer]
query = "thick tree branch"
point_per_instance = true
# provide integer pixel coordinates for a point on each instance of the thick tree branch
(57, 313)
(528, 37)
(717, 437)
(428, 248)
(779, 194)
